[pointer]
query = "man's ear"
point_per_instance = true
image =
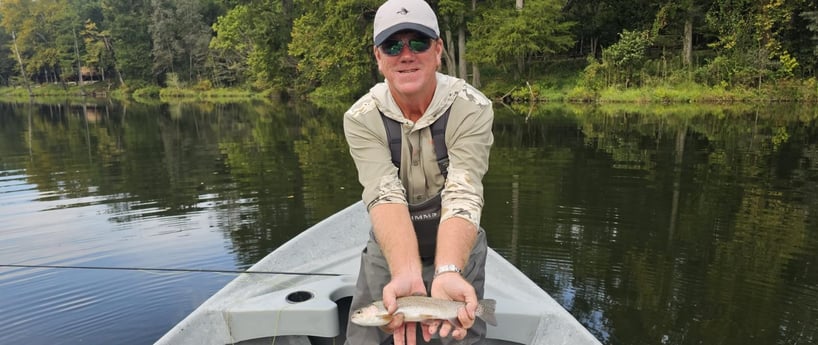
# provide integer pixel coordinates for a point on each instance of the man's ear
(439, 51)
(378, 57)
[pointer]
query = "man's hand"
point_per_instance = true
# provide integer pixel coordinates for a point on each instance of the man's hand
(400, 286)
(452, 286)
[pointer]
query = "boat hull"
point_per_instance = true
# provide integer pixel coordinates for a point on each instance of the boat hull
(309, 309)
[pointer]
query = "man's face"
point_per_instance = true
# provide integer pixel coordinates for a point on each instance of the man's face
(409, 73)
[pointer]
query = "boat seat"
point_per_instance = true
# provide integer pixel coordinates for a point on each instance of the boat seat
(308, 309)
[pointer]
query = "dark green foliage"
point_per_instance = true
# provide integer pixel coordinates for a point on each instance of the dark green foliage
(324, 48)
(332, 42)
(180, 38)
(128, 23)
(513, 37)
(250, 45)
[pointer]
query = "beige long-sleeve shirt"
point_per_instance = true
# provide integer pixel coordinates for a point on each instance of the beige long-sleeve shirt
(468, 139)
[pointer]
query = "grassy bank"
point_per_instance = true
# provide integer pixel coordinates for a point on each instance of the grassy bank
(139, 93)
(563, 86)
(684, 93)
(566, 82)
(98, 90)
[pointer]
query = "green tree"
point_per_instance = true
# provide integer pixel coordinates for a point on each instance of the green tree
(811, 24)
(84, 11)
(250, 45)
(16, 21)
(99, 54)
(627, 56)
(232, 46)
(41, 30)
(504, 33)
(7, 63)
(750, 39)
(127, 22)
(333, 44)
(674, 26)
(453, 15)
(180, 38)
(598, 22)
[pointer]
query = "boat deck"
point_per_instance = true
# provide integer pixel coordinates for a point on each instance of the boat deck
(303, 309)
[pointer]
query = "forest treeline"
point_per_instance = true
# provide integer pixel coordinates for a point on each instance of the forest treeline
(324, 48)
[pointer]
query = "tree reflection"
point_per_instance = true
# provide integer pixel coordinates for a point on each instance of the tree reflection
(266, 170)
(672, 225)
(677, 225)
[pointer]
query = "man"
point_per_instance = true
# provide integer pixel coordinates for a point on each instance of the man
(426, 237)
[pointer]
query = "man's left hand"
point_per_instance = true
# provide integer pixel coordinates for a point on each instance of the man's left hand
(452, 286)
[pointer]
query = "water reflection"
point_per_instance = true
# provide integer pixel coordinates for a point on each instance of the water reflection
(672, 225)
(130, 185)
(676, 227)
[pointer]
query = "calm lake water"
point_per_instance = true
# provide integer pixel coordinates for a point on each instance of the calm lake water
(651, 225)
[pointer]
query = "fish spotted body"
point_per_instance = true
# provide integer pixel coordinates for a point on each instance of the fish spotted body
(420, 309)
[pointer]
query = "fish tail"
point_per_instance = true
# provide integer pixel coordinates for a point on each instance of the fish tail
(485, 311)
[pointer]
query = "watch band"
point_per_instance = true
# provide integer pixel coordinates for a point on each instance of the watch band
(446, 269)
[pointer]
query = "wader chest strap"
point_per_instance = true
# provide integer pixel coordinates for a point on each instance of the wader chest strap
(438, 128)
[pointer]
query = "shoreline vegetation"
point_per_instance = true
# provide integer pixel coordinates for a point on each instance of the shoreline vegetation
(528, 52)
(786, 91)
(149, 94)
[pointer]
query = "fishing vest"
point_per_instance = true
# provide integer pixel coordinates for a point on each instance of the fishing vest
(425, 215)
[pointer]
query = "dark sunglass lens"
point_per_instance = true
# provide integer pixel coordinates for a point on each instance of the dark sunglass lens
(419, 45)
(392, 47)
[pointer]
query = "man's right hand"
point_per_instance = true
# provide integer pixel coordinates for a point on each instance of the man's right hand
(400, 286)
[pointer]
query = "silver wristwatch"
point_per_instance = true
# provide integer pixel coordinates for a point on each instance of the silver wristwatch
(447, 268)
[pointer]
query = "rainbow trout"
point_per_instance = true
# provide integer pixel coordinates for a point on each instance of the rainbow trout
(419, 309)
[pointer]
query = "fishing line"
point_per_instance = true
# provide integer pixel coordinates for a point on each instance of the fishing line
(157, 269)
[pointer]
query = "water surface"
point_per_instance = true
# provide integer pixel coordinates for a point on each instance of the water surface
(661, 225)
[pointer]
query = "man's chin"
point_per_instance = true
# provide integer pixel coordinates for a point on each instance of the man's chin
(406, 87)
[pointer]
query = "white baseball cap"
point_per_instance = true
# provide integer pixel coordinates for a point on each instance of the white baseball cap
(398, 15)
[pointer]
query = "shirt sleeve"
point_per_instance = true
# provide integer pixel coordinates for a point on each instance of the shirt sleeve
(370, 152)
(468, 147)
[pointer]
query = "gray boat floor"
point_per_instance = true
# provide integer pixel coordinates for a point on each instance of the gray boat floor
(256, 308)
(343, 309)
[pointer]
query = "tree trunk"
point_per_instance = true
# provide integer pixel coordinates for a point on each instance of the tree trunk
(520, 59)
(594, 42)
(110, 48)
(475, 71)
(461, 51)
(475, 76)
(687, 49)
(451, 65)
(581, 43)
(520, 66)
(190, 67)
(681, 134)
(20, 61)
(79, 62)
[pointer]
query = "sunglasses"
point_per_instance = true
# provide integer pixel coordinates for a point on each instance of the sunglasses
(416, 45)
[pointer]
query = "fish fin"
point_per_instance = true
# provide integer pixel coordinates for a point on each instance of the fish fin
(485, 311)
(455, 322)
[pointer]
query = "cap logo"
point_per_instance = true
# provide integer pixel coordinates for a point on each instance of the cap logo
(403, 11)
